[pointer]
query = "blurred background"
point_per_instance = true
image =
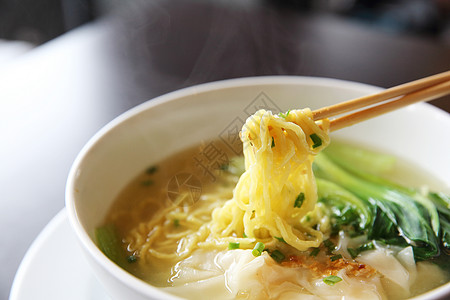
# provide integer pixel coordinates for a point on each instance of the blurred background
(68, 67)
(40, 21)
(178, 42)
(149, 33)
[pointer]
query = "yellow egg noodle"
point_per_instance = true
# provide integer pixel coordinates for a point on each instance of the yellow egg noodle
(275, 192)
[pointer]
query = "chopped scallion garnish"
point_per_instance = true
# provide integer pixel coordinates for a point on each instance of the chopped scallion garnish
(284, 115)
(151, 170)
(314, 252)
(332, 279)
(176, 222)
(147, 182)
(232, 246)
(258, 249)
(277, 255)
(317, 141)
(299, 200)
(366, 247)
(273, 143)
(131, 258)
(335, 257)
(353, 253)
(329, 245)
(280, 239)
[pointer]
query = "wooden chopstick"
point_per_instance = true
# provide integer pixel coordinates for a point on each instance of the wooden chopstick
(425, 94)
(396, 91)
(424, 89)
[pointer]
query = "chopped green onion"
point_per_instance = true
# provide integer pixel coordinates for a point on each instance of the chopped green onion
(259, 246)
(273, 143)
(258, 249)
(244, 235)
(232, 246)
(131, 258)
(151, 170)
(332, 279)
(366, 247)
(176, 222)
(316, 140)
(329, 245)
(277, 256)
(280, 239)
(314, 252)
(284, 115)
(335, 257)
(147, 182)
(353, 253)
(224, 167)
(299, 200)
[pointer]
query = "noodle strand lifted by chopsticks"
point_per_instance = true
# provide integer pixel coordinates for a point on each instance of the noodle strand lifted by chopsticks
(272, 196)
(278, 159)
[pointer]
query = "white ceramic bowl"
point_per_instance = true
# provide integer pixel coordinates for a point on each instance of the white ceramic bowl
(163, 126)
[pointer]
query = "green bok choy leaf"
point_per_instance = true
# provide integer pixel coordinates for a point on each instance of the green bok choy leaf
(387, 212)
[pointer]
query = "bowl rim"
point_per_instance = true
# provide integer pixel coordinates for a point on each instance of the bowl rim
(138, 284)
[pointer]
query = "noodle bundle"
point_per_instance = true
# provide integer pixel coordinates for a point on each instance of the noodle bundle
(275, 192)
(278, 186)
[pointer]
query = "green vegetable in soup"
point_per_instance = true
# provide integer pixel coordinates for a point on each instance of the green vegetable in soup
(314, 252)
(336, 257)
(299, 200)
(284, 115)
(359, 159)
(277, 255)
(258, 249)
(346, 208)
(151, 170)
(232, 246)
(317, 141)
(382, 210)
(280, 239)
(364, 247)
(109, 243)
(442, 203)
(332, 279)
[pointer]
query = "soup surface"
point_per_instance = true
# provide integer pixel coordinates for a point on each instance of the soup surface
(174, 198)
